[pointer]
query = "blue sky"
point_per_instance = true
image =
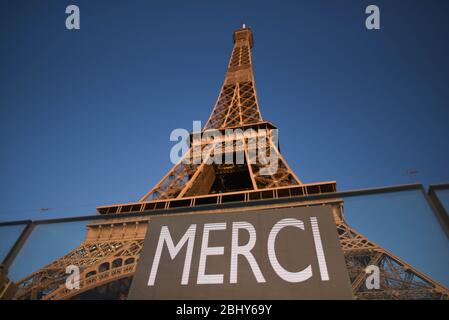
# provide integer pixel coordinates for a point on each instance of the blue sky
(86, 115)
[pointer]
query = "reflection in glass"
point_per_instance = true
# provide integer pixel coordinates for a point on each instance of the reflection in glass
(46, 243)
(403, 223)
(107, 251)
(102, 253)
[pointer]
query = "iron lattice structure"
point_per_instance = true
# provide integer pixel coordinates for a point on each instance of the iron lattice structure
(111, 249)
(237, 107)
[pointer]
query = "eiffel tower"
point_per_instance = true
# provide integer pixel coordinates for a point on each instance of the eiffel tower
(107, 257)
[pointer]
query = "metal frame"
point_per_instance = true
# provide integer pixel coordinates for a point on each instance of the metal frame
(30, 224)
(353, 244)
(18, 244)
(440, 211)
(207, 207)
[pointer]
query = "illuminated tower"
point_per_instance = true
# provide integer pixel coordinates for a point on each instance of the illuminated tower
(108, 256)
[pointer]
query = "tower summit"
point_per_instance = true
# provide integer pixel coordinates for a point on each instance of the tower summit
(237, 102)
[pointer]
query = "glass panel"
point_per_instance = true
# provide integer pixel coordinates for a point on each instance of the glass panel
(8, 237)
(443, 196)
(46, 243)
(404, 224)
(106, 252)
(103, 253)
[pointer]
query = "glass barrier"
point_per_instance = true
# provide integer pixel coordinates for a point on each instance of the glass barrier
(403, 223)
(8, 237)
(58, 258)
(46, 243)
(105, 252)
